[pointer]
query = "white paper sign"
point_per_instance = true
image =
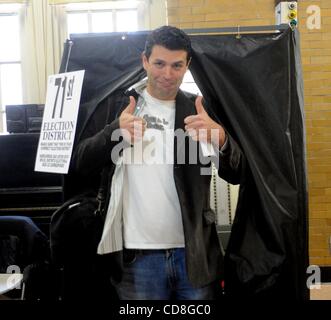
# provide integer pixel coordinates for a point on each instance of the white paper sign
(59, 122)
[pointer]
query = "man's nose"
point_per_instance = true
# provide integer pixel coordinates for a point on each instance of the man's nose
(167, 72)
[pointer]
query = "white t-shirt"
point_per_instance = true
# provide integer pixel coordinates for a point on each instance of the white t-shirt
(152, 216)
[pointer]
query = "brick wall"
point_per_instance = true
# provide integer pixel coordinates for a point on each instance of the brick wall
(316, 60)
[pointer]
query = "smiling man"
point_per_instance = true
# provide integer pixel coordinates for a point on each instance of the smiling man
(165, 71)
(166, 232)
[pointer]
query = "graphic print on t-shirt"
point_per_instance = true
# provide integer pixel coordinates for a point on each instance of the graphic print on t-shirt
(155, 122)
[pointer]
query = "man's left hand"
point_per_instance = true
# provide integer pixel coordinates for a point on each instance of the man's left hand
(202, 128)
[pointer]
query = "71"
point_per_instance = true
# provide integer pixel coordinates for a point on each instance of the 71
(62, 83)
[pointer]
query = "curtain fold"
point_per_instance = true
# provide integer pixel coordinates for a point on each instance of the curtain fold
(43, 32)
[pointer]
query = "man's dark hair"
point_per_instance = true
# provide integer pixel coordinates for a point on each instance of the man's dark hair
(169, 37)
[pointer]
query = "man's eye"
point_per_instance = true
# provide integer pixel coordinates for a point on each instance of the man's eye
(158, 64)
(178, 66)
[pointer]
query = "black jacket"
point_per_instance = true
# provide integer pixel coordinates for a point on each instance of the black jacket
(203, 253)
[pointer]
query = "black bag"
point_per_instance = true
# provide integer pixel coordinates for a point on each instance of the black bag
(76, 229)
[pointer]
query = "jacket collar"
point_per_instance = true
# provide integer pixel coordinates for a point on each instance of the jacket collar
(139, 86)
(184, 108)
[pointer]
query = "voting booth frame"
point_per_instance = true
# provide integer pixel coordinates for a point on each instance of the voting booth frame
(253, 80)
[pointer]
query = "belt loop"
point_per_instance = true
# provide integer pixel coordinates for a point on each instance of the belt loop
(168, 253)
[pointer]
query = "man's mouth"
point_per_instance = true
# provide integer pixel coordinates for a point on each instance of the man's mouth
(167, 84)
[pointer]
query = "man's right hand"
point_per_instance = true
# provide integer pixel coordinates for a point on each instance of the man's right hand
(132, 127)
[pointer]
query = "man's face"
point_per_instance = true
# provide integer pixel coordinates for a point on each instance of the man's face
(165, 71)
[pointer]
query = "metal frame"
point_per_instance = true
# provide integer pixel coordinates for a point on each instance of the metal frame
(233, 30)
(238, 29)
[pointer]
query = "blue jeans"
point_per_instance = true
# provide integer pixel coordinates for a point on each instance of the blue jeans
(158, 275)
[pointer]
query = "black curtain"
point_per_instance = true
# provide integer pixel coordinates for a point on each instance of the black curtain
(253, 85)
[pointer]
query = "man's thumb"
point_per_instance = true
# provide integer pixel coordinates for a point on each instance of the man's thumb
(132, 105)
(198, 105)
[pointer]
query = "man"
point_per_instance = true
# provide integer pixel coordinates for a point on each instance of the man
(158, 212)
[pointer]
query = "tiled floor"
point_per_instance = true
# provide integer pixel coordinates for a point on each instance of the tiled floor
(324, 293)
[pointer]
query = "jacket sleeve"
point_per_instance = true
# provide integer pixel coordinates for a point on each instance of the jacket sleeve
(230, 162)
(93, 153)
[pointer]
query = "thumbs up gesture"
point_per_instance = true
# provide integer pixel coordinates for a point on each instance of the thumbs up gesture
(202, 128)
(199, 106)
(132, 127)
(131, 106)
